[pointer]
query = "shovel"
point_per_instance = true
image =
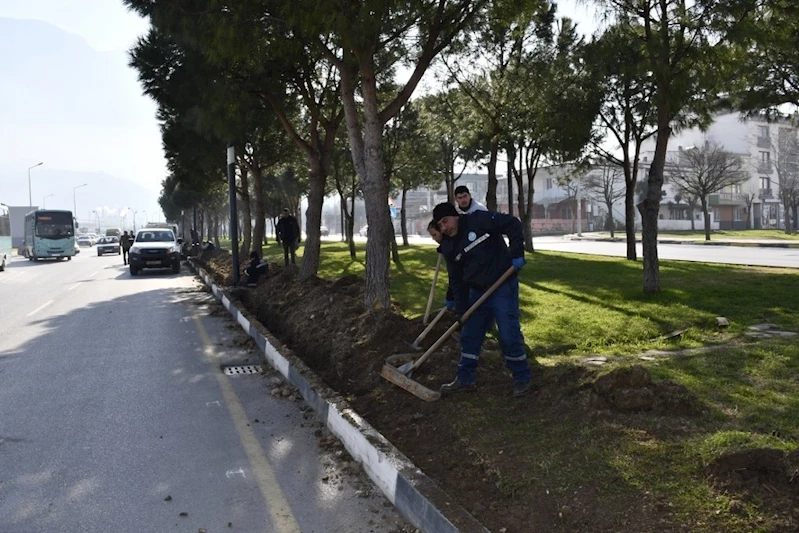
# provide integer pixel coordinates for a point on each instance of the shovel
(401, 375)
(432, 291)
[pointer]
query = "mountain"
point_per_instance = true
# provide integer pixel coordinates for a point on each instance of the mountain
(110, 196)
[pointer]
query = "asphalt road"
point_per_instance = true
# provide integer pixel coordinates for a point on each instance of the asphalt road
(734, 255)
(115, 415)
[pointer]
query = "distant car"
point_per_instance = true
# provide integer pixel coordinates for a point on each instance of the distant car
(363, 231)
(154, 248)
(108, 245)
(324, 231)
(94, 238)
(85, 240)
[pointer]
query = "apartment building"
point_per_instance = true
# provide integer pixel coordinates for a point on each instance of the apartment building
(767, 157)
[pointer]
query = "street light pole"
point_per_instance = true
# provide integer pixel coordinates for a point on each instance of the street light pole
(134, 221)
(44, 200)
(99, 225)
(74, 202)
(30, 196)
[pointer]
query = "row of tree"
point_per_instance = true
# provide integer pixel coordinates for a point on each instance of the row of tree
(308, 90)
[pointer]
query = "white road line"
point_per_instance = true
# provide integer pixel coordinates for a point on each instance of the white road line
(73, 287)
(40, 308)
(94, 274)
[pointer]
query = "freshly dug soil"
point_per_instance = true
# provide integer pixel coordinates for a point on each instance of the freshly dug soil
(326, 325)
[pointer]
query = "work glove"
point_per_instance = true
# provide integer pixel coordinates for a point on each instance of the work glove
(518, 262)
(450, 304)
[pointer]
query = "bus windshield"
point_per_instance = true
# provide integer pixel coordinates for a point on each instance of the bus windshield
(54, 225)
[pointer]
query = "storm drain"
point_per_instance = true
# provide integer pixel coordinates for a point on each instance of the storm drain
(238, 370)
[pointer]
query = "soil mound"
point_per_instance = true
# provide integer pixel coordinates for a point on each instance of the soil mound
(632, 389)
(764, 476)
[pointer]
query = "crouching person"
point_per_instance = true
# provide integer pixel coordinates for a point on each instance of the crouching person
(257, 268)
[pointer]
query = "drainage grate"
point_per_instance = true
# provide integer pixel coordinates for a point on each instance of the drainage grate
(239, 370)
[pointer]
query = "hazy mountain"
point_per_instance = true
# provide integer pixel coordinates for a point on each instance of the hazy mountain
(108, 195)
(66, 82)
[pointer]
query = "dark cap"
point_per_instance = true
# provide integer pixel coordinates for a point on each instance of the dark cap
(285, 209)
(444, 210)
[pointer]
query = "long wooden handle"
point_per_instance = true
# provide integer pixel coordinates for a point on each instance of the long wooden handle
(486, 295)
(432, 291)
(430, 326)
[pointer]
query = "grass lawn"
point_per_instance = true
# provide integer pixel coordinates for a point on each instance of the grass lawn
(749, 390)
(749, 234)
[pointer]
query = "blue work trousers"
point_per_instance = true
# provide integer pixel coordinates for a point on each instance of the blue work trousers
(502, 307)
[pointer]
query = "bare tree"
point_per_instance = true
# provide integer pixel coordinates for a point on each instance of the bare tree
(786, 165)
(605, 184)
(705, 170)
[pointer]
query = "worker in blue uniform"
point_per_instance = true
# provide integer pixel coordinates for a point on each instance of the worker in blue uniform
(477, 256)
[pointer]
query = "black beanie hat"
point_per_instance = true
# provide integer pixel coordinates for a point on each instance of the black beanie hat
(444, 210)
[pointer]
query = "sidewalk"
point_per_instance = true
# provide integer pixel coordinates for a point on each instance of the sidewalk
(604, 236)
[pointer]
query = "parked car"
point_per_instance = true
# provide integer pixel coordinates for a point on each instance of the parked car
(108, 245)
(325, 232)
(363, 231)
(85, 240)
(154, 248)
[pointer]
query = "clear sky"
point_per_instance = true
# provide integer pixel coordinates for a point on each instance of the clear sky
(83, 111)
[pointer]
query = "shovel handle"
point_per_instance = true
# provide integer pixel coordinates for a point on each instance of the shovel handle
(432, 291)
(430, 326)
(486, 295)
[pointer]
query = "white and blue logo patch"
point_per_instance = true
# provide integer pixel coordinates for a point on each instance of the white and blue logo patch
(472, 236)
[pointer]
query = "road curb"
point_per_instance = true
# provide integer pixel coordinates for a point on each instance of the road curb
(415, 496)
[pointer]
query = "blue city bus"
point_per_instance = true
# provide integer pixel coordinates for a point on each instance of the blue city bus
(49, 234)
(5, 237)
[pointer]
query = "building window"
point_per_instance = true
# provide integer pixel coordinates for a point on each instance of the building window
(765, 157)
(765, 182)
(739, 214)
(762, 131)
(735, 189)
(549, 183)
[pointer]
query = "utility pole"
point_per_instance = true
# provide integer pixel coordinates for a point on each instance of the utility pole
(234, 217)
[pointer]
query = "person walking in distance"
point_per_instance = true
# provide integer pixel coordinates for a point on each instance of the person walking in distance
(125, 241)
(477, 256)
(464, 202)
(288, 233)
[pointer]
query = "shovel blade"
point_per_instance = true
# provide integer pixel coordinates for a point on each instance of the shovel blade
(417, 389)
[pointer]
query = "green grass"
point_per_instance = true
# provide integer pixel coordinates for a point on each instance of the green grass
(747, 234)
(748, 390)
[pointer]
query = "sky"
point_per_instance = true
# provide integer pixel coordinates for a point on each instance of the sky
(83, 112)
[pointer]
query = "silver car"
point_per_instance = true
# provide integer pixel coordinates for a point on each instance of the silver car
(108, 245)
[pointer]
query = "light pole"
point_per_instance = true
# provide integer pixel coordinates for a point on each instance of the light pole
(134, 221)
(145, 216)
(30, 196)
(99, 226)
(74, 202)
(44, 200)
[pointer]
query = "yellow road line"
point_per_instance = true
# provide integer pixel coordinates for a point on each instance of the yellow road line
(274, 499)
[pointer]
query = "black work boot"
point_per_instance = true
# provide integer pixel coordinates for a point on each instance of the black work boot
(521, 388)
(456, 386)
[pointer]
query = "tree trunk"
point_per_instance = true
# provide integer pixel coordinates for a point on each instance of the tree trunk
(706, 214)
(527, 219)
(650, 207)
(245, 212)
(629, 223)
(351, 222)
(259, 230)
(491, 191)
(395, 252)
(366, 146)
(313, 220)
(786, 207)
(403, 218)
(511, 166)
